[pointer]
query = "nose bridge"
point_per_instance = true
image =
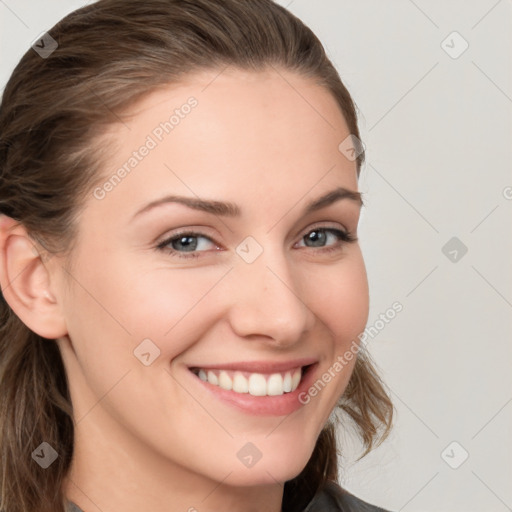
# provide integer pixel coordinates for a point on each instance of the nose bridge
(267, 300)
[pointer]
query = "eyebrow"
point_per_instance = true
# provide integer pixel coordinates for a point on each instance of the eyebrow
(228, 209)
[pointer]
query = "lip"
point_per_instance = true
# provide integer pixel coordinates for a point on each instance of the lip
(280, 405)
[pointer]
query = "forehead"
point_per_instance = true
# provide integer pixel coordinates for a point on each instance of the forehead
(224, 131)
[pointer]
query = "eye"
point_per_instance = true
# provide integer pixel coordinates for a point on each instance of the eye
(185, 245)
(319, 237)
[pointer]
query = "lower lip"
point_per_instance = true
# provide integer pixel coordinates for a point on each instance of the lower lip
(280, 405)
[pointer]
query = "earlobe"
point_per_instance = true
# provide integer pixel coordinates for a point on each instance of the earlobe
(26, 281)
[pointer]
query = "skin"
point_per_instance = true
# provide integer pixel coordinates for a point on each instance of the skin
(150, 437)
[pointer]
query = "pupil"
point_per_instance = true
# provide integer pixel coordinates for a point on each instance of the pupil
(186, 242)
(317, 236)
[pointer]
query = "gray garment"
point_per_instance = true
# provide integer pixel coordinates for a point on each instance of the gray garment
(331, 499)
(335, 499)
(73, 508)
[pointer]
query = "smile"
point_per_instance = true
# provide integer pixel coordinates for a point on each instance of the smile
(255, 384)
(267, 388)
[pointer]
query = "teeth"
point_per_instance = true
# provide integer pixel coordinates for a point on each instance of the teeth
(287, 382)
(225, 381)
(295, 380)
(240, 384)
(256, 384)
(275, 385)
(212, 378)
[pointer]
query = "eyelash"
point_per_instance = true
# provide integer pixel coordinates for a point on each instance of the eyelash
(344, 236)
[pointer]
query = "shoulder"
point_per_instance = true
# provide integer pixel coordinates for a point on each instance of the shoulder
(332, 498)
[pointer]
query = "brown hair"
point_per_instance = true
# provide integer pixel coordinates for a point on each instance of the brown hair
(110, 54)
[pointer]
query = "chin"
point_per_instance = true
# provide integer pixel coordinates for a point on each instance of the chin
(280, 467)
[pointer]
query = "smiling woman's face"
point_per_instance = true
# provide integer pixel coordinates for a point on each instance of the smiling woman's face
(267, 289)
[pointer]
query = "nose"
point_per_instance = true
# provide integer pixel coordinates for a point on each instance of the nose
(267, 301)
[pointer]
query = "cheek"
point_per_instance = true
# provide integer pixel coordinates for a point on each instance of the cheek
(341, 305)
(171, 307)
(338, 295)
(121, 305)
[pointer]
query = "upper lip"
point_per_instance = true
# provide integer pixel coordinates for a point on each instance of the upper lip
(259, 366)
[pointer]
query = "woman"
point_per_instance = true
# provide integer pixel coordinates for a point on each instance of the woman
(183, 290)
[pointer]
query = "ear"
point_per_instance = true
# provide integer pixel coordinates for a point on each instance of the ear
(25, 281)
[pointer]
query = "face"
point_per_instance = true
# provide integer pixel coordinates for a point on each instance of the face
(247, 281)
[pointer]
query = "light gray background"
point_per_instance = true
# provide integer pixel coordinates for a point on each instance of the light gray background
(438, 132)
